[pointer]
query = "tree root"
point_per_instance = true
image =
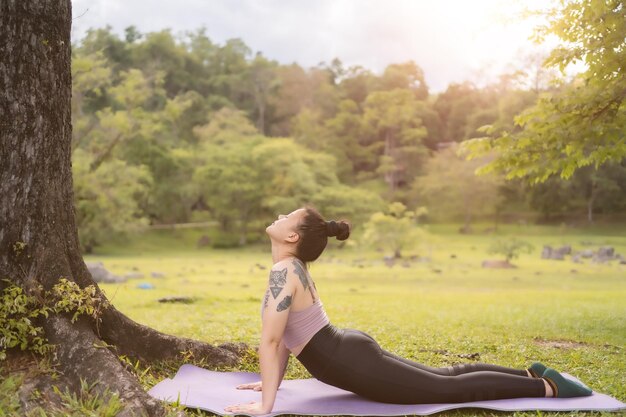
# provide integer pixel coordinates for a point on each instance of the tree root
(82, 355)
(144, 343)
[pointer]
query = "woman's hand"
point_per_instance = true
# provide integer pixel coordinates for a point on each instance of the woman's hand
(254, 408)
(256, 386)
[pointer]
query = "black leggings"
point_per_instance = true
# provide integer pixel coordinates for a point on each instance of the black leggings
(352, 360)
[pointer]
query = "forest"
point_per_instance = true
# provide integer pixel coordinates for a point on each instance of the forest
(178, 129)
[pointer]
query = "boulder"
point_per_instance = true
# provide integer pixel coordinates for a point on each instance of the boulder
(604, 254)
(549, 253)
(576, 258)
(100, 274)
(565, 250)
(133, 275)
(156, 274)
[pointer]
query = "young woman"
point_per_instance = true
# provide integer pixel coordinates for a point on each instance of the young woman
(294, 321)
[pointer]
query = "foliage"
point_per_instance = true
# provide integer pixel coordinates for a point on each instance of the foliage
(397, 133)
(510, 248)
(87, 402)
(450, 188)
(395, 229)
(19, 312)
(107, 200)
(581, 123)
(156, 115)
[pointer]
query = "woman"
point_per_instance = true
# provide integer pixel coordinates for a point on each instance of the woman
(294, 321)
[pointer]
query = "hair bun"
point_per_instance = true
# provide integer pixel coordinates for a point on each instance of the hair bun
(339, 229)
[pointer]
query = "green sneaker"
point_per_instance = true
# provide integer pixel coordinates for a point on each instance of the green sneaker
(563, 387)
(537, 369)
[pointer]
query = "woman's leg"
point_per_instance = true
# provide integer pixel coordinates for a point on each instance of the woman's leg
(359, 365)
(459, 369)
(454, 369)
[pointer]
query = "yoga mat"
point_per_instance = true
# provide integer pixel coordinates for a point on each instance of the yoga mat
(213, 391)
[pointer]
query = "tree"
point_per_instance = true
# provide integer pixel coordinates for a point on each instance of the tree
(395, 229)
(449, 187)
(39, 242)
(582, 123)
(226, 177)
(510, 248)
(107, 200)
(397, 133)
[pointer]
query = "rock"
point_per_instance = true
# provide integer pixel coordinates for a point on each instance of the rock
(406, 264)
(176, 299)
(204, 240)
(587, 253)
(604, 254)
(452, 256)
(576, 258)
(497, 263)
(389, 261)
(156, 274)
(557, 256)
(145, 286)
(549, 253)
(565, 250)
(133, 275)
(100, 274)
(436, 271)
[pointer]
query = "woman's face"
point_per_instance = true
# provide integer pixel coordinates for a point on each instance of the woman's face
(284, 226)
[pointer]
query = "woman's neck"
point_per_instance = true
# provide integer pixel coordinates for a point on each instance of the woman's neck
(280, 253)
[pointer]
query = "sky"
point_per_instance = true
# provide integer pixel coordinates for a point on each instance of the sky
(452, 41)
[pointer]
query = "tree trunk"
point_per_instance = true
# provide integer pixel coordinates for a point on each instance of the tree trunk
(590, 200)
(38, 234)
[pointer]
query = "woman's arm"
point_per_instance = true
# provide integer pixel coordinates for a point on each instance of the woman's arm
(273, 356)
(284, 360)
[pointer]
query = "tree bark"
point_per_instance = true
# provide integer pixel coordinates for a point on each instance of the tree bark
(38, 235)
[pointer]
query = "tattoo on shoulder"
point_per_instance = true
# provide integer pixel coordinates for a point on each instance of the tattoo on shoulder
(304, 279)
(278, 279)
(284, 305)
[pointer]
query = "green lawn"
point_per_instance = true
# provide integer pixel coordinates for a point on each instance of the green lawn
(569, 316)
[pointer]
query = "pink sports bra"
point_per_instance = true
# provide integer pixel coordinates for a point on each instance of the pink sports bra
(302, 325)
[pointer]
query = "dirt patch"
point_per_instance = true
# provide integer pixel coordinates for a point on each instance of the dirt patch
(559, 343)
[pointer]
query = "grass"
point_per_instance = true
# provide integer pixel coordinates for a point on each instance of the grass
(569, 316)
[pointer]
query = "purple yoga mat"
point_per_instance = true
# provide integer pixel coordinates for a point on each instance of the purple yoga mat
(213, 391)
